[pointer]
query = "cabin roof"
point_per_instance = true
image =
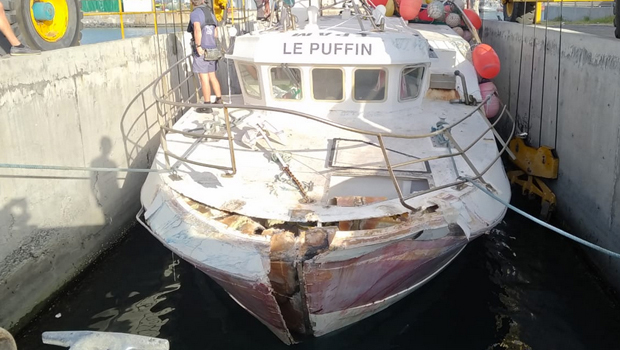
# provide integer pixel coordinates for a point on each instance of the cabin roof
(342, 45)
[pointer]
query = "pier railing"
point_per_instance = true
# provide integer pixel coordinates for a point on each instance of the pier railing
(444, 132)
(175, 18)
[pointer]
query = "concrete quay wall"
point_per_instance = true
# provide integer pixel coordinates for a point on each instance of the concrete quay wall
(88, 106)
(564, 92)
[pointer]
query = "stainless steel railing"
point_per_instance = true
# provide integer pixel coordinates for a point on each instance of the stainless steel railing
(166, 124)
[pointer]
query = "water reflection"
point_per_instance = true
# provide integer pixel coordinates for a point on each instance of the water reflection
(139, 316)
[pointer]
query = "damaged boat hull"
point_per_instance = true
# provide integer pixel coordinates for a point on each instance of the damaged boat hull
(306, 284)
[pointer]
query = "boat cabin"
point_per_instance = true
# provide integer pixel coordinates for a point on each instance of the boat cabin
(332, 69)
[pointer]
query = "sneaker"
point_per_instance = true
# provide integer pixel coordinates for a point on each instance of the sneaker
(218, 101)
(23, 50)
(205, 109)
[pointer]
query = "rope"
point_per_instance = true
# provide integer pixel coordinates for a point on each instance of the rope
(557, 98)
(520, 67)
(542, 96)
(544, 224)
(529, 107)
(60, 167)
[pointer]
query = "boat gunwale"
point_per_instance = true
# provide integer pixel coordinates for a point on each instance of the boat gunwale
(355, 239)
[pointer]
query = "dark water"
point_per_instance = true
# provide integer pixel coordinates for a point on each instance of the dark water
(520, 288)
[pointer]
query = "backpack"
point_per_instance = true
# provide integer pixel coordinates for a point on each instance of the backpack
(209, 17)
(209, 54)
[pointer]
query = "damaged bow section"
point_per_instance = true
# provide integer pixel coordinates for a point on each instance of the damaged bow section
(319, 277)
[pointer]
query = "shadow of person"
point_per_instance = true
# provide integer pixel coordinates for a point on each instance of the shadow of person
(16, 214)
(104, 184)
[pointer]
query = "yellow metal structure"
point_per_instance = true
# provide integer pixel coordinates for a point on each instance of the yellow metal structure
(540, 162)
(535, 163)
(535, 186)
(52, 31)
(219, 7)
(509, 7)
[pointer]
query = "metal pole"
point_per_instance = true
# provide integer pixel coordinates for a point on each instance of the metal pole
(120, 13)
(154, 17)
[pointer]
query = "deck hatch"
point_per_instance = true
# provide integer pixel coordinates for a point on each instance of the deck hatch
(373, 186)
(365, 155)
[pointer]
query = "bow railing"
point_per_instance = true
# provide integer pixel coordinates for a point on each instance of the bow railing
(171, 100)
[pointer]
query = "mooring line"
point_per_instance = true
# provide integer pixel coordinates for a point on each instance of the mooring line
(542, 223)
(520, 68)
(78, 168)
(529, 107)
(544, 68)
(557, 98)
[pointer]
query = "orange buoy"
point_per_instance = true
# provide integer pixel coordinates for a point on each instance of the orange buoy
(491, 107)
(409, 9)
(473, 18)
(486, 61)
(423, 16)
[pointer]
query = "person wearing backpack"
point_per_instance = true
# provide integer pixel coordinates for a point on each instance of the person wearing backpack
(203, 27)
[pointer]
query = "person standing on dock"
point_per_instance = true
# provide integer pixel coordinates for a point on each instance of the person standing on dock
(17, 48)
(204, 26)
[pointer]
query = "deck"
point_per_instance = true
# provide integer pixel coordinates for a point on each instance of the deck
(327, 160)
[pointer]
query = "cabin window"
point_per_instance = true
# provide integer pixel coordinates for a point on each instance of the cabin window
(328, 84)
(286, 83)
(411, 83)
(249, 77)
(369, 84)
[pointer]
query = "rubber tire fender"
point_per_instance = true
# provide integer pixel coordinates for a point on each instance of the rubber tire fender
(18, 14)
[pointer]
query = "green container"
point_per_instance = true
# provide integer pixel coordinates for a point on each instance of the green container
(100, 6)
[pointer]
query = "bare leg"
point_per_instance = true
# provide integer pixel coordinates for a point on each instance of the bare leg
(216, 84)
(206, 88)
(5, 28)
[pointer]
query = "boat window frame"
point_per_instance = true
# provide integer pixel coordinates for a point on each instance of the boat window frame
(260, 88)
(385, 93)
(344, 80)
(301, 83)
(402, 75)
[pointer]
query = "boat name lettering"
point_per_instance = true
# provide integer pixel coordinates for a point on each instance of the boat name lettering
(358, 49)
(329, 34)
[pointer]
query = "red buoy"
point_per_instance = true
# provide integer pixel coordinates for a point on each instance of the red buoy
(485, 61)
(473, 18)
(423, 16)
(409, 9)
(376, 3)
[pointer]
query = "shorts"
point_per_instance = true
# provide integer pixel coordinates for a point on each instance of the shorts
(201, 66)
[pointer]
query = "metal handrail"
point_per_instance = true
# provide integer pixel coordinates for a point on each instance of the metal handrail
(445, 131)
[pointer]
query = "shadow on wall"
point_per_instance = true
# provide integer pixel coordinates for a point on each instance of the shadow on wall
(36, 261)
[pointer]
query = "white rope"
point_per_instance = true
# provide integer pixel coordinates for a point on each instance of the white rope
(77, 168)
(544, 224)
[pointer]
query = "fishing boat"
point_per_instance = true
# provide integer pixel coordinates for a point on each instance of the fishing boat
(340, 179)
